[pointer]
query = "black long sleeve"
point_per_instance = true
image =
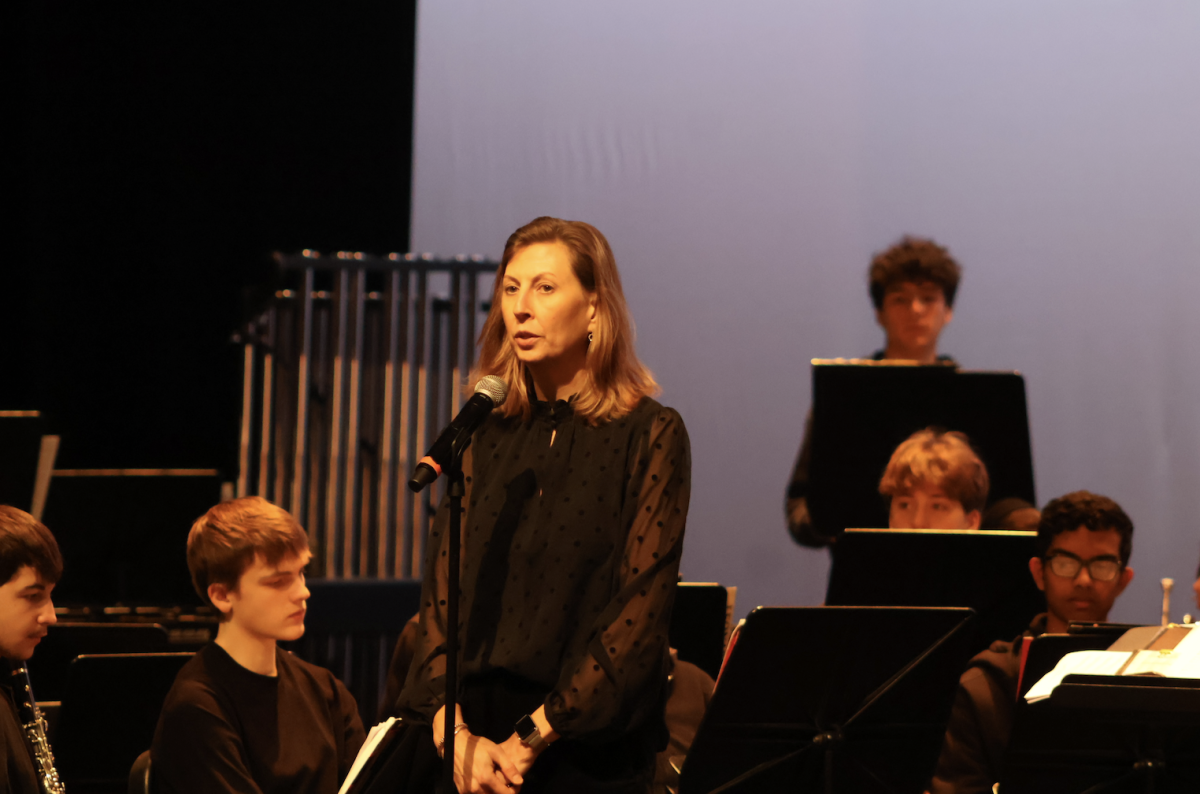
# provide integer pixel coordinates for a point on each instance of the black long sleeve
(570, 557)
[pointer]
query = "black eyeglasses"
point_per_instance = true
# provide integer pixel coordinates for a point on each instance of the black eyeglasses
(1067, 565)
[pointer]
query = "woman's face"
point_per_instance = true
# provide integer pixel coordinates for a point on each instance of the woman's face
(547, 312)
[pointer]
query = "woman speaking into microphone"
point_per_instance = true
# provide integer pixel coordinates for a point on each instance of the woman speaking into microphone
(576, 497)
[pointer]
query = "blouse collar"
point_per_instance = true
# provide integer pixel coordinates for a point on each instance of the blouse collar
(553, 412)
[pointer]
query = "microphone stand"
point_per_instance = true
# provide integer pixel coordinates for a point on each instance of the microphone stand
(455, 490)
(423, 475)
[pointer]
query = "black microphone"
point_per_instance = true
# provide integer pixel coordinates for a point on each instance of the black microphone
(490, 393)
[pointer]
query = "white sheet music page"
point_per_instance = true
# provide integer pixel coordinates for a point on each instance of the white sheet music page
(374, 737)
(1187, 657)
(1081, 663)
(1182, 661)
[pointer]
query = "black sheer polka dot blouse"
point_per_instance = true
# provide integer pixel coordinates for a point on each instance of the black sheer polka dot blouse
(570, 553)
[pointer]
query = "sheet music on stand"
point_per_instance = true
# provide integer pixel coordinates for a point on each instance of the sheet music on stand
(824, 699)
(1046, 650)
(1162, 651)
(1110, 721)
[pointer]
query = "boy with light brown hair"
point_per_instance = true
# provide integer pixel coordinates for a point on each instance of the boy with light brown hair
(935, 481)
(244, 715)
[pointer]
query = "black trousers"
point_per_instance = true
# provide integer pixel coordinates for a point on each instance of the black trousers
(492, 704)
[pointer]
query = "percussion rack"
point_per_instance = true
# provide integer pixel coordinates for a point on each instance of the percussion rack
(355, 364)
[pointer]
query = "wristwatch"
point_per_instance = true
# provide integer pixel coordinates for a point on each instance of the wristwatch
(527, 731)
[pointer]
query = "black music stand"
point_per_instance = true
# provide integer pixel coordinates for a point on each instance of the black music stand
(20, 437)
(862, 411)
(127, 556)
(987, 571)
(109, 713)
(823, 699)
(1046, 651)
(64, 642)
(698, 624)
(1110, 734)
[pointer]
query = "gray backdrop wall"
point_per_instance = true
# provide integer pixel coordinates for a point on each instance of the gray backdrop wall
(746, 159)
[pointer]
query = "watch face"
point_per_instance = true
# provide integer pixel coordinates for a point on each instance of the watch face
(525, 727)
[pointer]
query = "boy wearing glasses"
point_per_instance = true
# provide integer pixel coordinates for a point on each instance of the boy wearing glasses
(1083, 545)
(244, 715)
(912, 286)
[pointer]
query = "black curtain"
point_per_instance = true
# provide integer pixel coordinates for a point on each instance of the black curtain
(166, 149)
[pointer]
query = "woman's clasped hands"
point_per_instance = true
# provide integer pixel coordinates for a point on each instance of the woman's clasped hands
(480, 765)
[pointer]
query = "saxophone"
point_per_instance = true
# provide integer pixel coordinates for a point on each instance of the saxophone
(35, 732)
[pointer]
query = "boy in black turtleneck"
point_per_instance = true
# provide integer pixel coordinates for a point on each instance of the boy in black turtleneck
(244, 715)
(30, 564)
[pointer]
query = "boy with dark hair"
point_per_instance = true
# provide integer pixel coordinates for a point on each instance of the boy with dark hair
(1013, 514)
(30, 565)
(1083, 546)
(912, 286)
(244, 715)
(935, 481)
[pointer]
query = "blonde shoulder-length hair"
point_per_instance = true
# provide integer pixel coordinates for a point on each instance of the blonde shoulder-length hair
(616, 379)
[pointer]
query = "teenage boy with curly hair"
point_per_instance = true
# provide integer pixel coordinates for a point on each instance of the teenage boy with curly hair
(912, 286)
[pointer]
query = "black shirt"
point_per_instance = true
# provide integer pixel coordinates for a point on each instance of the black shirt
(981, 720)
(570, 559)
(225, 728)
(18, 772)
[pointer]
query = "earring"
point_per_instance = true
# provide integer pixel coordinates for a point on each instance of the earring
(589, 336)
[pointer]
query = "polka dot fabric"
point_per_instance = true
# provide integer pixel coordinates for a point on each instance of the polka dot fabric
(570, 557)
